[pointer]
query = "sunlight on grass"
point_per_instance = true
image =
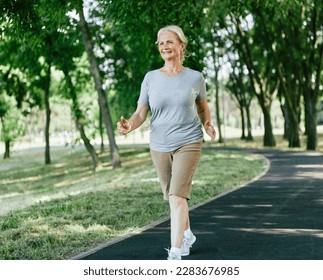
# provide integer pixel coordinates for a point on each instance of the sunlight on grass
(21, 180)
(100, 206)
(81, 229)
(72, 181)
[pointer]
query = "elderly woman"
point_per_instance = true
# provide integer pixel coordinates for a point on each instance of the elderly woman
(176, 97)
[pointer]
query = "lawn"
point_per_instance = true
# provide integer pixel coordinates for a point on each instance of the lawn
(60, 210)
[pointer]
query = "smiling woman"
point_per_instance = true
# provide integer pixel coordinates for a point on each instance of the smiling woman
(172, 44)
(176, 97)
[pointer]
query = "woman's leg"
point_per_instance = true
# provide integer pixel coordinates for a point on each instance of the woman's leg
(179, 219)
(175, 171)
(185, 161)
(187, 225)
(163, 165)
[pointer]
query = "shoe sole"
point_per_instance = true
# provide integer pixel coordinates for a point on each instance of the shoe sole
(194, 239)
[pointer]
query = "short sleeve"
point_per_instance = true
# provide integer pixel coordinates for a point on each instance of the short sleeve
(202, 92)
(143, 97)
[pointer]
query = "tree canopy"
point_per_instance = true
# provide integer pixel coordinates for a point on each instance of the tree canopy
(270, 50)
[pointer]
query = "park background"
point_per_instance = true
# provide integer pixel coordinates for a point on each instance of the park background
(70, 69)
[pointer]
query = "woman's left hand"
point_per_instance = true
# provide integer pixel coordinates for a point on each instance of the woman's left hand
(209, 129)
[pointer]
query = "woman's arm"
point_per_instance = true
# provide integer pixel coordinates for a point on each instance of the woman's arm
(205, 117)
(137, 119)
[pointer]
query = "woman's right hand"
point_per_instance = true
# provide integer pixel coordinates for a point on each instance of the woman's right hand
(123, 126)
(209, 129)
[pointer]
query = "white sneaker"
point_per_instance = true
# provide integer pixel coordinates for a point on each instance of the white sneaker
(187, 244)
(173, 256)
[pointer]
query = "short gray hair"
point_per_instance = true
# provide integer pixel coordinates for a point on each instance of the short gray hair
(180, 34)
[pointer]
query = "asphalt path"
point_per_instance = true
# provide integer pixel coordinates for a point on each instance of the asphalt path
(279, 216)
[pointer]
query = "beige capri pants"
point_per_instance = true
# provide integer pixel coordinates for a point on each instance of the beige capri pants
(175, 169)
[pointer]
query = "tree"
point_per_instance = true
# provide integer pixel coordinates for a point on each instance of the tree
(310, 71)
(66, 61)
(237, 21)
(13, 93)
(292, 34)
(33, 21)
(239, 87)
(26, 21)
(79, 120)
(95, 71)
(215, 40)
(278, 38)
(259, 70)
(11, 121)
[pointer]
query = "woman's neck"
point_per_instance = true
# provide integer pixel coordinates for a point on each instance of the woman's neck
(171, 68)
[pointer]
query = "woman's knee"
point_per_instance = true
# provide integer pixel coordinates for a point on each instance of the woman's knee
(177, 202)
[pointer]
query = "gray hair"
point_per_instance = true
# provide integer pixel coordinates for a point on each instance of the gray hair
(180, 34)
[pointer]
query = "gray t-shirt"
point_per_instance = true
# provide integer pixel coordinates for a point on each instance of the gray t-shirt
(174, 121)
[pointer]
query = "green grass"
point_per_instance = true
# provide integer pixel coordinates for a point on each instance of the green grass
(98, 206)
(281, 143)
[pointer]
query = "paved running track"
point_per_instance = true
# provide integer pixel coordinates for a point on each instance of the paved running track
(277, 217)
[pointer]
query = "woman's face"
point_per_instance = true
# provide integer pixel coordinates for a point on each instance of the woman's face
(170, 46)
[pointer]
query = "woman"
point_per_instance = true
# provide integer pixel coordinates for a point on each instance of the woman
(176, 96)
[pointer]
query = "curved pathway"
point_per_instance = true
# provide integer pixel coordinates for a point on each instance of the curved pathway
(279, 216)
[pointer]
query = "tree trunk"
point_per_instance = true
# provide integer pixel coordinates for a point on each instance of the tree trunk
(48, 113)
(7, 149)
(311, 120)
(217, 103)
(95, 159)
(269, 138)
(6, 142)
(217, 112)
(292, 108)
(249, 136)
(285, 113)
(101, 133)
(78, 121)
(311, 131)
(293, 135)
(243, 135)
(311, 69)
(95, 71)
(293, 122)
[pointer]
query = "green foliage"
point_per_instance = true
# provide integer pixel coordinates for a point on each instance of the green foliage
(12, 124)
(284, 40)
(130, 31)
(4, 105)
